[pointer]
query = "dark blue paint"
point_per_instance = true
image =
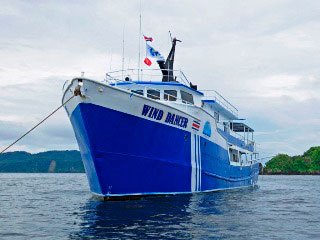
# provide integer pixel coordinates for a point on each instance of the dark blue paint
(125, 154)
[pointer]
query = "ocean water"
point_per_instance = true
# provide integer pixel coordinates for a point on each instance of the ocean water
(60, 206)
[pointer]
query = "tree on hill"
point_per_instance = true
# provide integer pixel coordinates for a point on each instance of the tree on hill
(23, 162)
(308, 163)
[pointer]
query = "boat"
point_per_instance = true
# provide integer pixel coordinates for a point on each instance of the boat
(152, 132)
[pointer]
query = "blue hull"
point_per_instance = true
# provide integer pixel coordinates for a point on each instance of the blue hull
(128, 155)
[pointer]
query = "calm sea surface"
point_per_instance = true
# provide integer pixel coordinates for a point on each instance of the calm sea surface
(60, 206)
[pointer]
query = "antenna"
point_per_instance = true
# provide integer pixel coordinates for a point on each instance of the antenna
(129, 63)
(139, 64)
(170, 36)
(123, 50)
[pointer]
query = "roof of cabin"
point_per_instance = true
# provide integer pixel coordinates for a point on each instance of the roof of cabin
(232, 115)
(160, 83)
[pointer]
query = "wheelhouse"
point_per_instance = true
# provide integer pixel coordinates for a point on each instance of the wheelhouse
(170, 92)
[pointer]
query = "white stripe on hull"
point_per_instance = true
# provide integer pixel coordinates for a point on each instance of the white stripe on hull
(199, 164)
(195, 163)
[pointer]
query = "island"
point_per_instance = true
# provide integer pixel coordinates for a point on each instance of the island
(44, 162)
(70, 162)
(306, 164)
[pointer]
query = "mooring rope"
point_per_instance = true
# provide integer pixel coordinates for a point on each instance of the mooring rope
(53, 112)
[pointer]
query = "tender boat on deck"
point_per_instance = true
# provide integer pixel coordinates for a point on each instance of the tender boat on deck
(158, 135)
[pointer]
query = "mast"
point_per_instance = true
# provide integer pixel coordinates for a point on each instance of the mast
(167, 66)
(122, 52)
(139, 63)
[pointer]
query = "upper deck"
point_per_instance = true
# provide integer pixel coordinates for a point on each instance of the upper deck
(147, 82)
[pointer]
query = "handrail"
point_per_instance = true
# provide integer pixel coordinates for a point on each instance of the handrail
(141, 73)
(236, 135)
(134, 69)
(221, 97)
(157, 90)
(221, 100)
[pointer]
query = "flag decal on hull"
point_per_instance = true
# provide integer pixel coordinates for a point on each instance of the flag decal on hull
(196, 125)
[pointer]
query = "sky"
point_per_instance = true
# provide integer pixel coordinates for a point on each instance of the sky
(263, 56)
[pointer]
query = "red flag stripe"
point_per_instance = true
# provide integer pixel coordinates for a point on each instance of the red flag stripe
(147, 61)
(148, 39)
(195, 125)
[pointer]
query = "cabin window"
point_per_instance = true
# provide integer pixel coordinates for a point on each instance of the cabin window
(226, 127)
(170, 95)
(140, 92)
(243, 157)
(186, 97)
(234, 155)
(216, 116)
(153, 94)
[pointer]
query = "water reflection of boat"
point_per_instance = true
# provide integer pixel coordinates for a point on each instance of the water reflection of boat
(134, 219)
(174, 217)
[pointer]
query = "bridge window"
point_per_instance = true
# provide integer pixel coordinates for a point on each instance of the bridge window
(140, 92)
(153, 94)
(170, 95)
(186, 97)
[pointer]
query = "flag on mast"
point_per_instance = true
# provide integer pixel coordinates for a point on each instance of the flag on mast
(148, 39)
(147, 61)
(151, 52)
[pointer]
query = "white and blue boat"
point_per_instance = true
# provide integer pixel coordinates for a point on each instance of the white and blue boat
(158, 134)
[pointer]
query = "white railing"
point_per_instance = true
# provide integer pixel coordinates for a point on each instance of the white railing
(114, 80)
(214, 95)
(143, 75)
(221, 126)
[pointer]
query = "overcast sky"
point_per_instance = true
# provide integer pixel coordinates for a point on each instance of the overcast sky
(261, 55)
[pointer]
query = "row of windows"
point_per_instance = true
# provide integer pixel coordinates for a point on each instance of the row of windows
(169, 95)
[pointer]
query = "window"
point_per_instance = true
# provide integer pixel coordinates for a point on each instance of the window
(154, 94)
(243, 157)
(226, 127)
(140, 92)
(234, 157)
(170, 95)
(186, 97)
(216, 116)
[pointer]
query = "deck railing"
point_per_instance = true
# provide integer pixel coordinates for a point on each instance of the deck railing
(246, 141)
(143, 75)
(116, 77)
(217, 97)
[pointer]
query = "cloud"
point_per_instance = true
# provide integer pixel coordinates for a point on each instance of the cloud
(263, 56)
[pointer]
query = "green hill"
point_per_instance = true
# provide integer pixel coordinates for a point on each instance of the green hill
(308, 163)
(70, 162)
(51, 161)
